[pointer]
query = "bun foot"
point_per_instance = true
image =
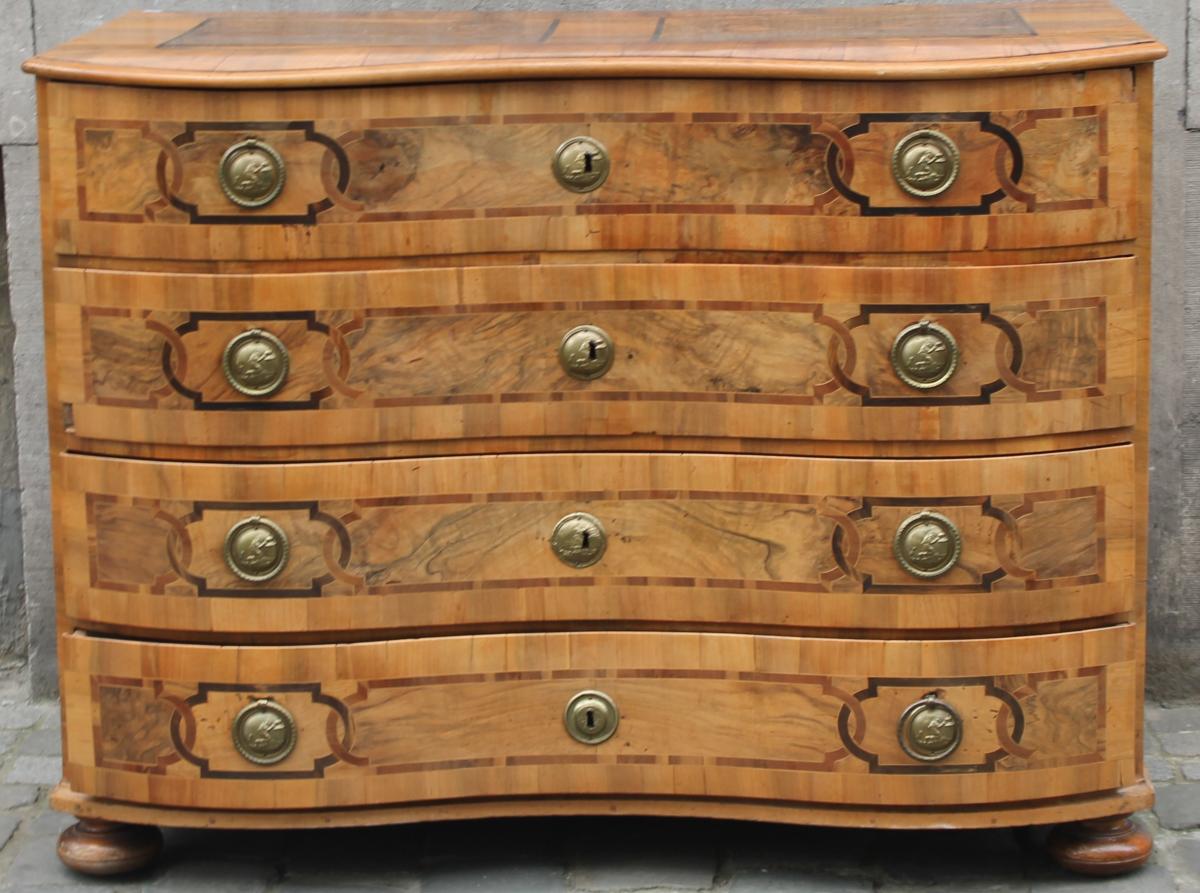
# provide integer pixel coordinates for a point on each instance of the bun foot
(96, 847)
(1108, 846)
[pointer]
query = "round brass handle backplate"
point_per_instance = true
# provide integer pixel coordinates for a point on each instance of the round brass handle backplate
(930, 730)
(264, 732)
(255, 363)
(256, 549)
(586, 352)
(251, 173)
(581, 164)
(579, 539)
(924, 355)
(927, 544)
(591, 717)
(925, 163)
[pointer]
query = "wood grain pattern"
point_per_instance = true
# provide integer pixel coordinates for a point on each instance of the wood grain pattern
(754, 258)
(290, 50)
(429, 355)
(407, 721)
(704, 165)
(442, 167)
(718, 540)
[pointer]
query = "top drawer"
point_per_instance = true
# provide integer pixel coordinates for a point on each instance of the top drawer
(780, 166)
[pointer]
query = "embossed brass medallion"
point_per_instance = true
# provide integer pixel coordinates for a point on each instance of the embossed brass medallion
(586, 352)
(264, 732)
(927, 544)
(930, 730)
(251, 173)
(581, 164)
(255, 363)
(256, 549)
(925, 163)
(924, 355)
(591, 717)
(579, 539)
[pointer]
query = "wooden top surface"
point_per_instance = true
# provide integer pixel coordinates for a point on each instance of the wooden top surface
(242, 50)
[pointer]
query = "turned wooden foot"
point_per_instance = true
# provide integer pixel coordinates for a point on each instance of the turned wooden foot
(1106, 846)
(96, 847)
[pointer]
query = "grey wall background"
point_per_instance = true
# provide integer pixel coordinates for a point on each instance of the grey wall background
(26, 559)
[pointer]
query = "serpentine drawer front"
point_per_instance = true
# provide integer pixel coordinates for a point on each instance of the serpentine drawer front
(684, 164)
(399, 358)
(455, 718)
(471, 541)
(736, 414)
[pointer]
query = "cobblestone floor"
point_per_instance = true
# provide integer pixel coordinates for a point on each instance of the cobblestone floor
(586, 855)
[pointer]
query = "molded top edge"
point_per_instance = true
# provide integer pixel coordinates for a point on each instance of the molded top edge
(240, 50)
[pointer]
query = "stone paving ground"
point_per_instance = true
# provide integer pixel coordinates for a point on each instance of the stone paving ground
(588, 855)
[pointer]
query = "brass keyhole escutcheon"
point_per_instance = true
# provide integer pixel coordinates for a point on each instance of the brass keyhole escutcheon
(927, 544)
(264, 732)
(925, 163)
(591, 717)
(255, 363)
(586, 352)
(251, 173)
(256, 549)
(924, 355)
(581, 164)
(930, 730)
(579, 539)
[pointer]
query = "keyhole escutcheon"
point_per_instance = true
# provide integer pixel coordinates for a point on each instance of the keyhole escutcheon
(579, 539)
(591, 717)
(581, 164)
(586, 352)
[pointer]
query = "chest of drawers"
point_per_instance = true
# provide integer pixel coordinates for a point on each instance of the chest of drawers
(726, 414)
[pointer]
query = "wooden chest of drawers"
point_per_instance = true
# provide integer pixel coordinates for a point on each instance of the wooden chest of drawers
(715, 414)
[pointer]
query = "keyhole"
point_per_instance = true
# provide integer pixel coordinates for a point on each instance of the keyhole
(586, 538)
(591, 350)
(590, 719)
(587, 162)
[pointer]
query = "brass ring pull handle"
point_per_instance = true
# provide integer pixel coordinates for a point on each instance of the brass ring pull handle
(927, 544)
(925, 163)
(251, 173)
(591, 717)
(256, 549)
(255, 363)
(579, 540)
(264, 732)
(581, 164)
(924, 355)
(586, 352)
(930, 730)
